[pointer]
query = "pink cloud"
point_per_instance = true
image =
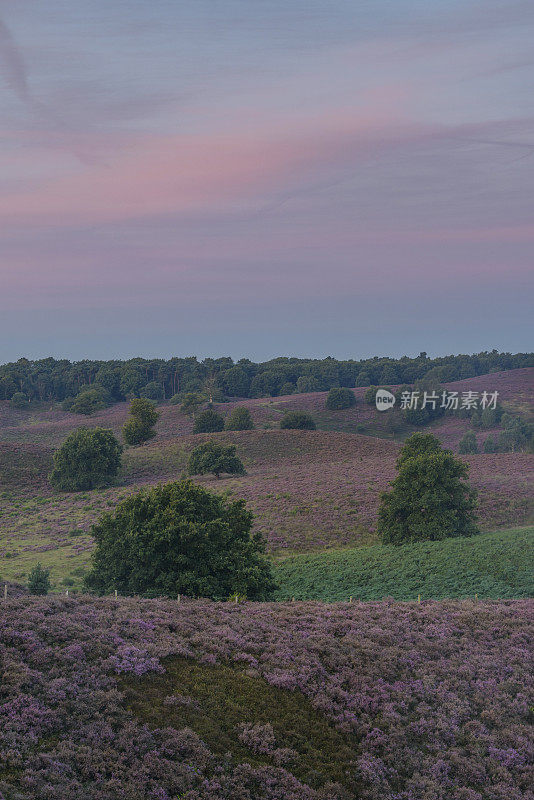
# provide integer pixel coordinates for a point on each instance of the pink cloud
(156, 175)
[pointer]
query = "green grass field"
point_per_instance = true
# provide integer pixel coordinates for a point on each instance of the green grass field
(492, 565)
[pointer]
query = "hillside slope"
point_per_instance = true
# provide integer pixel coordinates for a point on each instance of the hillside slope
(492, 565)
(309, 490)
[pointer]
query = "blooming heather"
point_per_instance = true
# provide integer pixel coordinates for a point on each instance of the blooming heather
(436, 697)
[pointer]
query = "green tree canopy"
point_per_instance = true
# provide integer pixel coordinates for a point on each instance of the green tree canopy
(517, 435)
(208, 421)
(88, 401)
(139, 427)
(191, 402)
(429, 499)
(19, 400)
(239, 419)
(153, 391)
(468, 443)
(297, 420)
(39, 580)
(490, 445)
(178, 538)
(339, 398)
(419, 444)
(215, 458)
(308, 383)
(87, 459)
(370, 395)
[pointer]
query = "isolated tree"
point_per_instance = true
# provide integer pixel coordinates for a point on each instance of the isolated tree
(419, 444)
(208, 421)
(178, 538)
(297, 420)
(429, 499)
(517, 435)
(39, 580)
(215, 458)
(88, 401)
(339, 398)
(239, 419)
(370, 395)
(491, 417)
(19, 400)
(139, 427)
(191, 402)
(468, 443)
(490, 445)
(87, 459)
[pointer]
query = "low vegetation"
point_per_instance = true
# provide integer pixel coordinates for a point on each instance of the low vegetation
(256, 721)
(297, 420)
(339, 398)
(240, 419)
(208, 421)
(215, 458)
(101, 694)
(490, 565)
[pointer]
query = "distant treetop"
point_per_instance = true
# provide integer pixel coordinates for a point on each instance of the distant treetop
(159, 380)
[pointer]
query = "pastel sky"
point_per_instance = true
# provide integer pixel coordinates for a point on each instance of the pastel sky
(296, 177)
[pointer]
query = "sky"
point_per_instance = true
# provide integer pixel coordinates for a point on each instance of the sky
(280, 177)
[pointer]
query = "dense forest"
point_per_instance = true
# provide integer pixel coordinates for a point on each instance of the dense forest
(49, 379)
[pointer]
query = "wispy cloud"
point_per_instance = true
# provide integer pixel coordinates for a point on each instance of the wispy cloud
(13, 65)
(16, 74)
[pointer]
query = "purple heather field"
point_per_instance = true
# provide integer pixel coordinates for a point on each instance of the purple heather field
(435, 699)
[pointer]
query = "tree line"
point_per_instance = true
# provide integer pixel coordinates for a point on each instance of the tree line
(50, 379)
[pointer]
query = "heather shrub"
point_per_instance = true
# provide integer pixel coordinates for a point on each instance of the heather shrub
(178, 538)
(139, 427)
(87, 459)
(213, 457)
(260, 722)
(208, 421)
(429, 498)
(378, 701)
(297, 420)
(39, 580)
(239, 419)
(340, 398)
